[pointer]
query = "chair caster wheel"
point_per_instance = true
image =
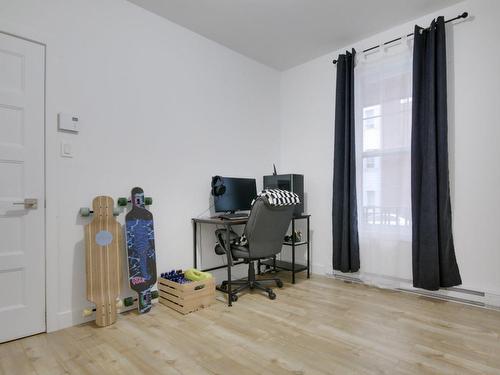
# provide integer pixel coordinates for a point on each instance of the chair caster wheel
(279, 284)
(234, 297)
(223, 286)
(272, 295)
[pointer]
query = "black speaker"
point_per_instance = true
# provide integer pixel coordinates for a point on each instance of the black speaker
(290, 182)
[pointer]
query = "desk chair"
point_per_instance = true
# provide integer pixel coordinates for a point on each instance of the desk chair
(263, 238)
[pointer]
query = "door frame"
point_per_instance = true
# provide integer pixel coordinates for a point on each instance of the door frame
(50, 223)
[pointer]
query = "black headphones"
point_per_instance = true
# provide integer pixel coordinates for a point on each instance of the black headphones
(218, 187)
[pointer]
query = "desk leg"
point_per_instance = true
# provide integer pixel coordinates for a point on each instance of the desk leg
(308, 251)
(229, 265)
(194, 244)
(293, 251)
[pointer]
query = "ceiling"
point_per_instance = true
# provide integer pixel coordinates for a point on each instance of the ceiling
(285, 33)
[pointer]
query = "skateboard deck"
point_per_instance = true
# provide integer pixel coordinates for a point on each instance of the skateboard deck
(141, 250)
(103, 249)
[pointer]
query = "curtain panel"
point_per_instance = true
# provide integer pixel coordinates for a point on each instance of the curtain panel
(344, 205)
(434, 262)
(383, 141)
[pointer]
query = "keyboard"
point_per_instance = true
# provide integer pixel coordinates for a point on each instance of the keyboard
(236, 216)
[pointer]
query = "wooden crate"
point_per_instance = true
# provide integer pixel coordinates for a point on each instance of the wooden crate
(186, 298)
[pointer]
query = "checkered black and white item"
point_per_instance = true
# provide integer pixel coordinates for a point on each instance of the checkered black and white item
(276, 198)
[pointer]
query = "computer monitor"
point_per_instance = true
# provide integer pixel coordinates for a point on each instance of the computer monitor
(239, 194)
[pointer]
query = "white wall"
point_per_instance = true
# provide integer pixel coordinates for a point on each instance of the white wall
(160, 106)
(307, 118)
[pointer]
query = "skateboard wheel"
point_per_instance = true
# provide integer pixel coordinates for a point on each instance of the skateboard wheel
(116, 211)
(122, 202)
(119, 304)
(85, 211)
(129, 301)
(154, 294)
(87, 312)
(148, 201)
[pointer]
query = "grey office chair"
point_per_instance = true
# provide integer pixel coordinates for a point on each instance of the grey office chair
(264, 231)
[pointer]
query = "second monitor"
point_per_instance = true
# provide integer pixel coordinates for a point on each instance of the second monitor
(238, 196)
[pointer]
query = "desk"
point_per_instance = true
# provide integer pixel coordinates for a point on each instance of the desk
(227, 224)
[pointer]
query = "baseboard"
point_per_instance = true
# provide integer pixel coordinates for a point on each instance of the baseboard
(320, 269)
(456, 294)
(75, 317)
(70, 318)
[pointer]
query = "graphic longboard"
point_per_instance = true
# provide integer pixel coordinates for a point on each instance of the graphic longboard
(140, 249)
(103, 249)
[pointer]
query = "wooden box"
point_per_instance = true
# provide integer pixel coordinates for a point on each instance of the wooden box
(186, 298)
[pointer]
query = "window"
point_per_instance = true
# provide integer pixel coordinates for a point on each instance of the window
(370, 162)
(370, 198)
(371, 127)
(383, 100)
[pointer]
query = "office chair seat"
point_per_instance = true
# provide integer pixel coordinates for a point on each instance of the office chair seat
(237, 251)
(240, 252)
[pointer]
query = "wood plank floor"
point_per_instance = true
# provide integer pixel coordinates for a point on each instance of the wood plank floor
(318, 326)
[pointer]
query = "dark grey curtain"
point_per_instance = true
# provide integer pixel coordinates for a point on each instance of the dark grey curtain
(434, 263)
(344, 205)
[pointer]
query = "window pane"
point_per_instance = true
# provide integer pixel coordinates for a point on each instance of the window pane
(386, 190)
(371, 111)
(396, 130)
(383, 102)
(372, 134)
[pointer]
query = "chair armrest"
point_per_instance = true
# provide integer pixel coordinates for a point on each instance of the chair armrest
(221, 235)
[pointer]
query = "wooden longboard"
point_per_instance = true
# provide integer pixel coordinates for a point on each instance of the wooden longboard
(141, 249)
(104, 249)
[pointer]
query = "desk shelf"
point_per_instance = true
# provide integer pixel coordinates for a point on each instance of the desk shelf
(275, 264)
(283, 265)
(300, 243)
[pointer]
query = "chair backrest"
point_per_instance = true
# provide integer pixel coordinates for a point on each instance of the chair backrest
(266, 227)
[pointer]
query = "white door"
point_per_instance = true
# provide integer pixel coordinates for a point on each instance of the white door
(22, 213)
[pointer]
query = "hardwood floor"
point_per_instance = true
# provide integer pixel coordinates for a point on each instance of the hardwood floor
(318, 326)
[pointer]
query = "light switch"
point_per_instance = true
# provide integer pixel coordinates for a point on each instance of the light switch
(66, 149)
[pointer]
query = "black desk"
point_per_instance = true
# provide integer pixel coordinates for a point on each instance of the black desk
(276, 264)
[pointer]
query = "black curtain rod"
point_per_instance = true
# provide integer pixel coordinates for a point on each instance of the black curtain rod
(463, 15)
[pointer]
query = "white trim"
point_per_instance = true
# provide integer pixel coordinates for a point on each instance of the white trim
(71, 318)
(320, 269)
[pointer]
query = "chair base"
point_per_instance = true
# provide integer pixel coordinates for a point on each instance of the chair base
(251, 283)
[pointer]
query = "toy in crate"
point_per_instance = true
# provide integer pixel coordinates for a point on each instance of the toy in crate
(175, 276)
(186, 291)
